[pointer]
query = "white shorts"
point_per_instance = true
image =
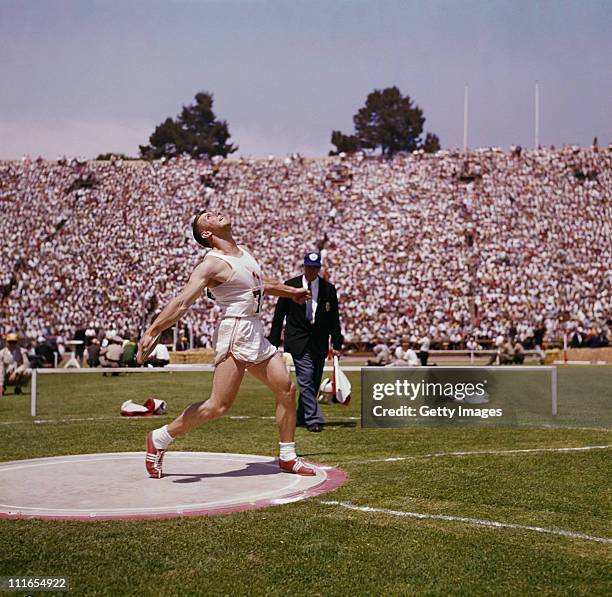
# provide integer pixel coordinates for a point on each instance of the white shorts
(244, 338)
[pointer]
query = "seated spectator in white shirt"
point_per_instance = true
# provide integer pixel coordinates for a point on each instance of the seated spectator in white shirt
(382, 354)
(160, 357)
(405, 356)
(472, 345)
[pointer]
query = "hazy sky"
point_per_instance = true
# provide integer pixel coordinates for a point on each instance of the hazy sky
(83, 77)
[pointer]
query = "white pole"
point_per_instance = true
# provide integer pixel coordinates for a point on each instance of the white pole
(465, 118)
(554, 391)
(537, 116)
(34, 388)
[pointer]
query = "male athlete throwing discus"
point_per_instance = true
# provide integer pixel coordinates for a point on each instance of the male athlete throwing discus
(235, 280)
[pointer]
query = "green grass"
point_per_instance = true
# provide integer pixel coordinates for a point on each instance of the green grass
(310, 548)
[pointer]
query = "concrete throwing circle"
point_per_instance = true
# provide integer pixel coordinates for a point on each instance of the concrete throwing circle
(115, 486)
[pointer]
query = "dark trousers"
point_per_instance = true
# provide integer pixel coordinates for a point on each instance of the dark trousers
(309, 371)
(157, 362)
(423, 356)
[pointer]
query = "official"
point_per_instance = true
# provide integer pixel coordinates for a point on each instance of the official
(307, 333)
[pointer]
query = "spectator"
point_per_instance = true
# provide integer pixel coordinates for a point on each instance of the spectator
(44, 352)
(472, 345)
(538, 335)
(576, 338)
(506, 353)
(424, 350)
(112, 354)
(14, 365)
(160, 357)
(93, 353)
(182, 344)
(79, 349)
(405, 356)
(382, 355)
(518, 352)
(130, 348)
(510, 239)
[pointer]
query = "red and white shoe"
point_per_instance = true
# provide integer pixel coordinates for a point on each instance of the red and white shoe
(296, 466)
(154, 458)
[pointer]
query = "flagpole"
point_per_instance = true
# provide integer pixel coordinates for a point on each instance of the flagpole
(537, 115)
(465, 119)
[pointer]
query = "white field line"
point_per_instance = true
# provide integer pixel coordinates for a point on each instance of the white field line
(79, 419)
(270, 418)
(471, 521)
(257, 417)
(475, 453)
(560, 427)
(156, 417)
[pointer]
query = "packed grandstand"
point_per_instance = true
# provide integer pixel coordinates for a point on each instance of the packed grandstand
(447, 245)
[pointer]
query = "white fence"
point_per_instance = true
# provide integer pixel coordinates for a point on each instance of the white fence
(210, 369)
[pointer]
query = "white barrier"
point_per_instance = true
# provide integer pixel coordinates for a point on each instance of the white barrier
(210, 369)
(91, 370)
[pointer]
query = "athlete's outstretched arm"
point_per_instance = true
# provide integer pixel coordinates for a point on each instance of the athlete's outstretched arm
(175, 309)
(275, 288)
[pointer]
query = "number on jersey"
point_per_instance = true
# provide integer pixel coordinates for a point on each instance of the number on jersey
(258, 294)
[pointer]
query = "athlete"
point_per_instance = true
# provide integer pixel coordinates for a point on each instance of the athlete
(234, 279)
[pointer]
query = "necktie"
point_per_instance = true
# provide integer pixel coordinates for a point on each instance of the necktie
(18, 356)
(309, 306)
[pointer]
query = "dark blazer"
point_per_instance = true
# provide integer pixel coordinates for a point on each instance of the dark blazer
(300, 334)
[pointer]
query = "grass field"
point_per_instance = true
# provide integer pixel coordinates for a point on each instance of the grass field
(317, 548)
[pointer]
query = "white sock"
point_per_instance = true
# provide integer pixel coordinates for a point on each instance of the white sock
(161, 438)
(287, 450)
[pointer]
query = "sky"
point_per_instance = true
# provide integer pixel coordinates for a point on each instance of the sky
(83, 77)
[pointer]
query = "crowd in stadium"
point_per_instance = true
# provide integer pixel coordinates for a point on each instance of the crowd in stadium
(444, 246)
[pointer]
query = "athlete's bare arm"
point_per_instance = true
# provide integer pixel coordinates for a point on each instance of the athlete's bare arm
(210, 272)
(275, 288)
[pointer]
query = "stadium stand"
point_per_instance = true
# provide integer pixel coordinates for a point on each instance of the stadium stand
(446, 245)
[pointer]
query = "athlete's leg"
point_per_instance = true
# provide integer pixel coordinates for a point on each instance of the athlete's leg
(226, 382)
(274, 373)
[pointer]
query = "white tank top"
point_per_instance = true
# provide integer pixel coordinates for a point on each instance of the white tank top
(242, 294)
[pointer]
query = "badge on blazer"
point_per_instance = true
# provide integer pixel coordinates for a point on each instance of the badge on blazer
(328, 306)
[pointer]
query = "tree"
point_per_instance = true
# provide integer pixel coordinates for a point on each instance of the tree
(431, 143)
(195, 131)
(388, 121)
(344, 143)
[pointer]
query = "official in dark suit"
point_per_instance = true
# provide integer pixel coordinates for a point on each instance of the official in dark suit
(307, 334)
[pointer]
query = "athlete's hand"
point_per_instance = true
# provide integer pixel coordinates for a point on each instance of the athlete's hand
(336, 353)
(145, 347)
(301, 295)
